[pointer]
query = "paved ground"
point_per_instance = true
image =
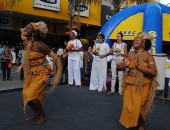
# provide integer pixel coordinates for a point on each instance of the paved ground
(71, 108)
(9, 85)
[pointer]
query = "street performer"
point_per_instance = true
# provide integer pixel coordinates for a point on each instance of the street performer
(139, 83)
(37, 70)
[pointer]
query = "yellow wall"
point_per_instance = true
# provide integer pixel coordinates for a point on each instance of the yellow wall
(166, 27)
(26, 7)
(2, 5)
(130, 27)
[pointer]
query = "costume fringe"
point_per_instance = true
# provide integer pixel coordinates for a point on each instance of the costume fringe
(152, 92)
(139, 81)
(57, 70)
(26, 62)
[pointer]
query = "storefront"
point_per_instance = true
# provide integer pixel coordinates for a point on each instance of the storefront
(54, 13)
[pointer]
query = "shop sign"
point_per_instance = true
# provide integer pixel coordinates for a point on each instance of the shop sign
(84, 10)
(47, 4)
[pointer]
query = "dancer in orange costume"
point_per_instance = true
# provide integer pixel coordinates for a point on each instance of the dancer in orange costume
(36, 69)
(139, 83)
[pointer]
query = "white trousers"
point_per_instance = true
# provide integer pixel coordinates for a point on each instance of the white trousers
(120, 75)
(74, 72)
(98, 75)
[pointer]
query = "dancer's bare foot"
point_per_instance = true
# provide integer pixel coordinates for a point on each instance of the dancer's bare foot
(41, 120)
(34, 117)
(141, 127)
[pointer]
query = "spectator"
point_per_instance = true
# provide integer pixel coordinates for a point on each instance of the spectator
(88, 60)
(167, 75)
(21, 58)
(60, 52)
(119, 50)
(65, 44)
(64, 60)
(6, 59)
(74, 46)
(13, 56)
(99, 66)
(1, 50)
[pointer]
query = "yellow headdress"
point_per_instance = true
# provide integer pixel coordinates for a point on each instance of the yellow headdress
(143, 36)
(41, 26)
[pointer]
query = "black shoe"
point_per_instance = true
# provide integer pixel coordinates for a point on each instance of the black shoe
(9, 79)
(4, 79)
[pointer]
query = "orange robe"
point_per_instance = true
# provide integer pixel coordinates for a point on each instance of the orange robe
(134, 100)
(35, 83)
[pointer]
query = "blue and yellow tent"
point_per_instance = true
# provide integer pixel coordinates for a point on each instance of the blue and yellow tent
(151, 17)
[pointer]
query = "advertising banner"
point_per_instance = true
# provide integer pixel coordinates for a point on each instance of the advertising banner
(84, 10)
(47, 4)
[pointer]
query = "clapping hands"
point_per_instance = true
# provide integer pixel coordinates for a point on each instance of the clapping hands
(127, 61)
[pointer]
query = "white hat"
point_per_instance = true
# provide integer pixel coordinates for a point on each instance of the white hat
(74, 32)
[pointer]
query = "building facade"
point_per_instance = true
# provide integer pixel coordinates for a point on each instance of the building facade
(53, 12)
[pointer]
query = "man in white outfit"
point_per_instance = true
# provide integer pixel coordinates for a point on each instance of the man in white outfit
(99, 65)
(74, 60)
(119, 50)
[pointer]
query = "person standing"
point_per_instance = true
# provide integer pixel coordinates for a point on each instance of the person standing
(60, 51)
(1, 50)
(65, 44)
(5, 61)
(13, 52)
(64, 60)
(99, 65)
(167, 75)
(21, 58)
(88, 60)
(139, 83)
(74, 47)
(119, 50)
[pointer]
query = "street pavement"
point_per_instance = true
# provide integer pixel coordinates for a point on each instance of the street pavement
(72, 108)
(11, 85)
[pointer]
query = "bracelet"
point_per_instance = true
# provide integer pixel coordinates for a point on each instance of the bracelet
(151, 63)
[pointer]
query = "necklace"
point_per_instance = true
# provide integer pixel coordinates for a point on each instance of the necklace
(139, 51)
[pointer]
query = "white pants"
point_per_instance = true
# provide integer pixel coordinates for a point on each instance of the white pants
(120, 75)
(98, 75)
(74, 72)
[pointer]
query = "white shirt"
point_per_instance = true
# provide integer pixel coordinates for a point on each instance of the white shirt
(50, 61)
(60, 51)
(109, 58)
(74, 55)
(101, 48)
(21, 52)
(13, 57)
(119, 47)
(167, 68)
